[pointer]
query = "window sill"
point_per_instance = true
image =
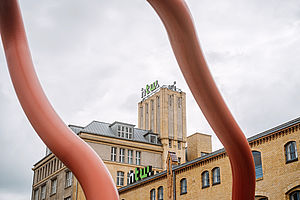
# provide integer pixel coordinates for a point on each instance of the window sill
(52, 194)
(66, 187)
(183, 193)
(260, 178)
(205, 186)
(216, 183)
(290, 161)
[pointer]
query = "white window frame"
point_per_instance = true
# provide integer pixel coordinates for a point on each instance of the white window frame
(130, 156)
(113, 152)
(69, 178)
(291, 151)
(138, 158)
(216, 175)
(130, 134)
(122, 155)
(120, 178)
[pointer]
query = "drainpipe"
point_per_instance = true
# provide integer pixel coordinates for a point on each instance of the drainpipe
(174, 185)
(76, 189)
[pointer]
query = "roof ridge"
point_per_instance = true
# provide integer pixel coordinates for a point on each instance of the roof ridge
(76, 126)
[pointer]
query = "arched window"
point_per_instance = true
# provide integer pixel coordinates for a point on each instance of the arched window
(216, 176)
(160, 193)
(258, 164)
(205, 179)
(295, 195)
(152, 194)
(291, 152)
(183, 186)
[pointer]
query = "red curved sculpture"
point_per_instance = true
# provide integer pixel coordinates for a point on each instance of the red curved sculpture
(85, 163)
(182, 35)
(79, 157)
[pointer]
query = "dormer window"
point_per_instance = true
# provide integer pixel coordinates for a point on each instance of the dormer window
(125, 132)
(153, 139)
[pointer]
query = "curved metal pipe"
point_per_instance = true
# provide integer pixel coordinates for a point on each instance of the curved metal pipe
(79, 157)
(85, 164)
(178, 22)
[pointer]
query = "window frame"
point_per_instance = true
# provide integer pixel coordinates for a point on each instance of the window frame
(205, 179)
(153, 194)
(53, 190)
(183, 186)
(287, 148)
(122, 156)
(179, 145)
(160, 193)
(68, 179)
(217, 171)
(120, 178)
(36, 194)
(259, 174)
(113, 154)
(294, 192)
(138, 158)
(43, 194)
(130, 156)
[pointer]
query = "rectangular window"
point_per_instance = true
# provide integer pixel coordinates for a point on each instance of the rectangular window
(122, 155)
(152, 116)
(119, 131)
(68, 178)
(179, 160)
(43, 192)
(130, 156)
(170, 143)
(157, 115)
(147, 117)
(53, 186)
(120, 178)
(36, 194)
(130, 133)
(138, 158)
(122, 133)
(179, 145)
(142, 118)
(171, 116)
(113, 156)
(153, 139)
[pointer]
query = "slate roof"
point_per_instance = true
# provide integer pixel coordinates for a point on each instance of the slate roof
(104, 129)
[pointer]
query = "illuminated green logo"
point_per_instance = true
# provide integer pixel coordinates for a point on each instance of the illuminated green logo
(149, 89)
(140, 173)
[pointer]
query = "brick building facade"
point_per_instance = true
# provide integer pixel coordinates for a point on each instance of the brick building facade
(183, 167)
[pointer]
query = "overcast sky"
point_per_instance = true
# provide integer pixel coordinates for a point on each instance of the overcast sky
(93, 57)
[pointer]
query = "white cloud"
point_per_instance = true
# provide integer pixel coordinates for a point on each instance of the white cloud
(93, 57)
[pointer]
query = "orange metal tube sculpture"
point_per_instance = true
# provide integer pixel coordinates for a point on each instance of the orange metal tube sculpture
(79, 157)
(85, 163)
(182, 35)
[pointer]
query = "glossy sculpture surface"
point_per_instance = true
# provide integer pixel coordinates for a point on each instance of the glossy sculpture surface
(85, 164)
